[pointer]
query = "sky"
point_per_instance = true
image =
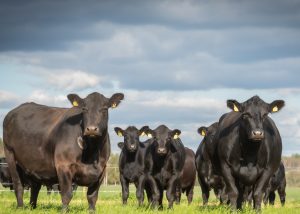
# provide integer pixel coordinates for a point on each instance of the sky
(177, 62)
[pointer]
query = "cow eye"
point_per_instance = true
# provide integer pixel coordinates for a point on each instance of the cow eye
(85, 109)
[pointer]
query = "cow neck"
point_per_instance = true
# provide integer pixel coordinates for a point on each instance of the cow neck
(130, 156)
(93, 147)
(248, 149)
(159, 160)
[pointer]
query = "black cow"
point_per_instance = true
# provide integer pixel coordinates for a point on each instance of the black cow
(207, 176)
(249, 148)
(5, 177)
(59, 145)
(187, 177)
(132, 165)
(166, 160)
(277, 182)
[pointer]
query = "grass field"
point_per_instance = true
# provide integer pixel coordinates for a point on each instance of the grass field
(110, 202)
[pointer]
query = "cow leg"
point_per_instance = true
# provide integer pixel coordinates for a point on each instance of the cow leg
(240, 196)
(140, 190)
(92, 194)
(232, 190)
(217, 193)
(17, 184)
(272, 198)
(223, 195)
(153, 193)
(171, 190)
(125, 189)
(65, 184)
(34, 192)
(266, 196)
(190, 193)
(281, 193)
(161, 195)
(259, 189)
(205, 191)
(178, 194)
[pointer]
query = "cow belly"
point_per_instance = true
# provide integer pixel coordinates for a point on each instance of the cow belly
(248, 175)
(39, 165)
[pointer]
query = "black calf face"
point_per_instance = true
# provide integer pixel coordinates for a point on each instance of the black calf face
(131, 137)
(253, 113)
(94, 109)
(162, 137)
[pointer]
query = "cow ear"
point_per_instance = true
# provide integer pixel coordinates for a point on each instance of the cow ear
(144, 130)
(115, 100)
(175, 133)
(234, 105)
(75, 100)
(147, 131)
(119, 131)
(121, 145)
(275, 106)
(202, 131)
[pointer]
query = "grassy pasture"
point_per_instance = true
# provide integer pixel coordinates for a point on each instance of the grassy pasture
(110, 202)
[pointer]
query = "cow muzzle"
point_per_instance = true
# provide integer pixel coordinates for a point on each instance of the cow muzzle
(132, 147)
(92, 131)
(161, 151)
(257, 135)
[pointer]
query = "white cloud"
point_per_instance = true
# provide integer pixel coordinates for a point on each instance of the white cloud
(7, 99)
(42, 97)
(73, 79)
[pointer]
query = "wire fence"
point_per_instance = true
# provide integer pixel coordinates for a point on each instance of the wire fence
(109, 169)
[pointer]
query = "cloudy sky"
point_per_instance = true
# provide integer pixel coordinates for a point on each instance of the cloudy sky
(177, 62)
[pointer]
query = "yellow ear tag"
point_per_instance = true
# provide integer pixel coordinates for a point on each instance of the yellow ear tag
(120, 134)
(149, 135)
(142, 134)
(75, 103)
(176, 136)
(235, 108)
(275, 109)
(114, 105)
(203, 133)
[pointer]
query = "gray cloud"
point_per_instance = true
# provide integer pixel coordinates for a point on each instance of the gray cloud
(52, 25)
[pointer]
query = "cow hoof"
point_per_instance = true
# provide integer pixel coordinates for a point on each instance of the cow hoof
(92, 211)
(65, 209)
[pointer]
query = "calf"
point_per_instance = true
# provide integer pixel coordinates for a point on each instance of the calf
(277, 182)
(132, 164)
(207, 177)
(166, 160)
(187, 177)
(249, 148)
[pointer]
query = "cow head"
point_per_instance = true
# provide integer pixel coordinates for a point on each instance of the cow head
(94, 109)
(208, 132)
(131, 137)
(253, 114)
(162, 138)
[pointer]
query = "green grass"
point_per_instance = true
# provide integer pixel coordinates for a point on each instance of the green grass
(110, 202)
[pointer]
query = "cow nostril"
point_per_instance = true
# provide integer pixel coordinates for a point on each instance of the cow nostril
(87, 129)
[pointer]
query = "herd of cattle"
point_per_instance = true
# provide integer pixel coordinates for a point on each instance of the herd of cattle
(239, 156)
